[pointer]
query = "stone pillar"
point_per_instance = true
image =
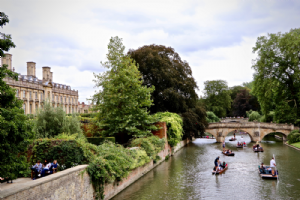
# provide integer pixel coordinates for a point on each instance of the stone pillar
(31, 69)
(7, 60)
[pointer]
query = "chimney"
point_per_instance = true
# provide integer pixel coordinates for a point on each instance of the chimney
(31, 69)
(6, 60)
(46, 74)
(51, 76)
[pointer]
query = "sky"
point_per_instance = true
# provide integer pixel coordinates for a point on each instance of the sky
(215, 37)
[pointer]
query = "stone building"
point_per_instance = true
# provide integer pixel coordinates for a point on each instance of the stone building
(34, 91)
(84, 108)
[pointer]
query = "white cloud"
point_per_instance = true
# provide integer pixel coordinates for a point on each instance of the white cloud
(71, 36)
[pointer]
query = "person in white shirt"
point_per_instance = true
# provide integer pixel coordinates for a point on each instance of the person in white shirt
(272, 166)
(46, 168)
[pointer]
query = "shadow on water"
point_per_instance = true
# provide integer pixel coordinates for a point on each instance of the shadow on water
(187, 175)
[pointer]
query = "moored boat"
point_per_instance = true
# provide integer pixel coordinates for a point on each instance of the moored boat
(232, 139)
(265, 173)
(221, 171)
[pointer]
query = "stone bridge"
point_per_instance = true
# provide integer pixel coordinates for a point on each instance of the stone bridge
(256, 130)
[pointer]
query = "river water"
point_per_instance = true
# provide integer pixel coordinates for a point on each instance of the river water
(187, 174)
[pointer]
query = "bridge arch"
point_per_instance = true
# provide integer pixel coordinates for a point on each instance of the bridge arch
(256, 130)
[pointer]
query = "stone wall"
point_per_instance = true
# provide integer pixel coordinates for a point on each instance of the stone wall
(67, 184)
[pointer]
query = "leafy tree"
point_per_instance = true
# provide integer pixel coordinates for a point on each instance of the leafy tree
(211, 117)
(122, 101)
(175, 87)
(241, 103)
(217, 97)
(254, 115)
(16, 130)
(5, 41)
(51, 121)
(248, 85)
(277, 75)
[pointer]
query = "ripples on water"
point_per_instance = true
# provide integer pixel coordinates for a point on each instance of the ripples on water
(187, 175)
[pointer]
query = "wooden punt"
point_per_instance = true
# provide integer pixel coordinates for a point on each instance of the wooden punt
(228, 154)
(240, 146)
(220, 172)
(232, 139)
(258, 150)
(267, 174)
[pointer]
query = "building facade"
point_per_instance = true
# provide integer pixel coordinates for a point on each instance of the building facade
(34, 92)
(84, 108)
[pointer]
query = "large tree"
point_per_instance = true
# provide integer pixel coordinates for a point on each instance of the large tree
(277, 75)
(217, 97)
(175, 86)
(122, 101)
(15, 129)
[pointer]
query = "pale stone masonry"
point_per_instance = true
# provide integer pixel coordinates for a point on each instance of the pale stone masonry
(34, 91)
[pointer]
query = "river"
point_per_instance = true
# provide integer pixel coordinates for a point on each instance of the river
(187, 174)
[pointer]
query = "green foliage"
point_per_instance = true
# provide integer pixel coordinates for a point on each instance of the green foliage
(15, 131)
(175, 86)
(67, 152)
(5, 41)
(100, 140)
(152, 145)
(254, 115)
(174, 126)
(211, 117)
(113, 163)
(293, 137)
(217, 97)
(122, 101)
(277, 75)
(88, 115)
(51, 121)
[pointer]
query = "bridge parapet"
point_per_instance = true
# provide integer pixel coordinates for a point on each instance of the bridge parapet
(239, 125)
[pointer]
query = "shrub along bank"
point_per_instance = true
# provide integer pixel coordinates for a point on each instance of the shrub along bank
(107, 162)
(293, 137)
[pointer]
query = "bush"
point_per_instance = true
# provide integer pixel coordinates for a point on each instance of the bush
(152, 145)
(254, 116)
(100, 140)
(88, 115)
(294, 136)
(174, 125)
(211, 117)
(52, 121)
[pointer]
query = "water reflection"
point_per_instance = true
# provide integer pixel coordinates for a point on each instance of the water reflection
(187, 175)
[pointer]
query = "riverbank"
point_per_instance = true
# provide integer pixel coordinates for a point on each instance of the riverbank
(74, 183)
(294, 145)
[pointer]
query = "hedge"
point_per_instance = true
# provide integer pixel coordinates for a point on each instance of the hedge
(100, 140)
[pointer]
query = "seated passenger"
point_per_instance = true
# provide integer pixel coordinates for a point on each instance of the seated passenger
(53, 168)
(37, 169)
(46, 168)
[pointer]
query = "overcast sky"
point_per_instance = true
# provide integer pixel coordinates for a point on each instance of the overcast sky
(214, 37)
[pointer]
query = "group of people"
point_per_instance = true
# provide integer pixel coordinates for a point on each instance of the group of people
(227, 151)
(270, 168)
(40, 169)
(219, 166)
(257, 146)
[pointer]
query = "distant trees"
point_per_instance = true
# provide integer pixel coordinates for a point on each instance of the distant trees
(277, 75)
(175, 86)
(217, 97)
(122, 101)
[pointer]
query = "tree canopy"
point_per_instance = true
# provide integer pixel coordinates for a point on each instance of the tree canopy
(175, 86)
(5, 40)
(15, 129)
(122, 101)
(277, 75)
(217, 97)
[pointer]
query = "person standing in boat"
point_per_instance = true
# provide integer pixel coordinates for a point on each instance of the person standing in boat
(234, 134)
(272, 164)
(216, 161)
(223, 144)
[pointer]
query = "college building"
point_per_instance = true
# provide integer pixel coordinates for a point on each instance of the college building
(34, 91)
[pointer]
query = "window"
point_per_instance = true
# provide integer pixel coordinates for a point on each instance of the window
(65, 99)
(24, 94)
(30, 96)
(61, 99)
(36, 95)
(17, 93)
(30, 108)
(24, 108)
(49, 95)
(69, 101)
(41, 96)
(36, 107)
(53, 97)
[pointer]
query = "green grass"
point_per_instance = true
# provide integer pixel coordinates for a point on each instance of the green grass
(297, 144)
